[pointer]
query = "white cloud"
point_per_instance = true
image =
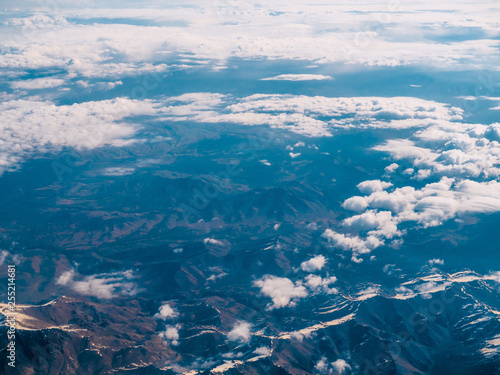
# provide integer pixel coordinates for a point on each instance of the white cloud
(428, 206)
(322, 366)
(440, 145)
(212, 241)
(29, 127)
(117, 171)
(166, 312)
(355, 243)
(298, 77)
(282, 291)
(299, 336)
(171, 334)
(450, 149)
(357, 204)
(263, 351)
(310, 116)
(338, 367)
(313, 264)
(99, 86)
(66, 277)
(285, 292)
(391, 168)
(435, 261)
(37, 84)
(430, 287)
(241, 332)
(368, 187)
(380, 223)
(105, 285)
(312, 226)
(207, 34)
(318, 284)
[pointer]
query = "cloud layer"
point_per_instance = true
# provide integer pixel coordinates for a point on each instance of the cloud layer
(214, 32)
(34, 127)
(105, 285)
(315, 116)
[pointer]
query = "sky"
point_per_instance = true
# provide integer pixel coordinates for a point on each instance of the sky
(98, 45)
(84, 75)
(52, 52)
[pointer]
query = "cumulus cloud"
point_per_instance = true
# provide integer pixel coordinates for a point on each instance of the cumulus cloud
(212, 241)
(435, 261)
(298, 77)
(357, 204)
(322, 366)
(241, 332)
(37, 83)
(339, 367)
(391, 168)
(281, 290)
(28, 127)
(105, 285)
(354, 243)
(171, 334)
(368, 187)
(66, 277)
(430, 287)
(379, 223)
(301, 33)
(100, 86)
(318, 284)
(299, 336)
(428, 206)
(449, 149)
(285, 292)
(46, 41)
(313, 264)
(310, 116)
(166, 312)
(117, 171)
